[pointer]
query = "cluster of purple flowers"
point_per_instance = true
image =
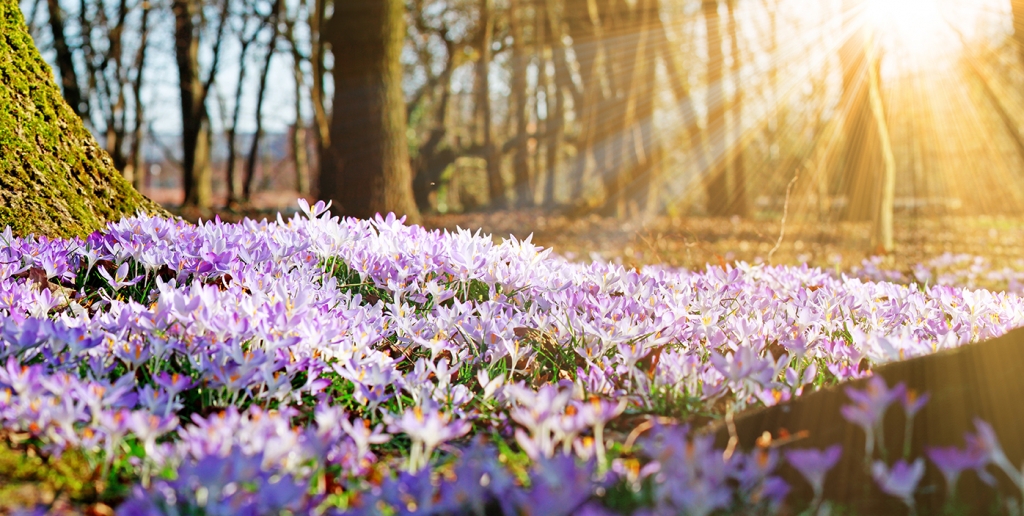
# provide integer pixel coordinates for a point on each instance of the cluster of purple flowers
(338, 364)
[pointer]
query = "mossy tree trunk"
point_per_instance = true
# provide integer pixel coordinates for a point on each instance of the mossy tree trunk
(54, 178)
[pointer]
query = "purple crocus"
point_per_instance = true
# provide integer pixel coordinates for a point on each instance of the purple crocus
(912, 404)
(813, 465)
(427, 429)
(985, 443)
(900, 481)
(869, 408)
(953, 461)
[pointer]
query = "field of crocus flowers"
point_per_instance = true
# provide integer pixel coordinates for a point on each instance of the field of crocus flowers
(340, 366)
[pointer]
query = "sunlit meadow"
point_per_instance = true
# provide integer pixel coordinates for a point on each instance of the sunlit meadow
(326, 365)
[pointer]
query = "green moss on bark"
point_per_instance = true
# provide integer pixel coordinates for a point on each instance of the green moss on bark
(54, 178)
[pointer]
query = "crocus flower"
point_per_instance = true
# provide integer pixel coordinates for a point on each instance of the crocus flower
(985, 443)
(120, 278)
(427, 429)
(813, 465)
(912, 404)
(869, 408)
(900, 481)
(952, 461)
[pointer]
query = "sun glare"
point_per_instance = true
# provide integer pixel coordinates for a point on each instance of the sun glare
(914, 28)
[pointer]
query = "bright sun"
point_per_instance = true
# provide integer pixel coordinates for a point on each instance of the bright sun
(915, 28)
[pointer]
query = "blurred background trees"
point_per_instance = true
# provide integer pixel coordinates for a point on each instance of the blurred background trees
(623, 108)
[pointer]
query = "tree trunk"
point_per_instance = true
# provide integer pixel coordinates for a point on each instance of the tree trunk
(583, 23)
(521, 157)
(883, 239)
(300, 155)
(643, 183)
(136, 161)
(715, 181)
(495, 183)
(681, 90)
(195, 163)
(620, 62)
(543, 123)
(55, 179)
(555, 104)
(317, 96)
(300, 152)
(261, 93)
(738, 206)
(366, 168)
(860, 158)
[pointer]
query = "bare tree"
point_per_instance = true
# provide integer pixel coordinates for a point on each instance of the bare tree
(246, 37)
(273, 23)
(300, 155)
(195, 131)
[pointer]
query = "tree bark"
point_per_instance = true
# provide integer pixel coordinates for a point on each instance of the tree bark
(55, 179)
(366, 168)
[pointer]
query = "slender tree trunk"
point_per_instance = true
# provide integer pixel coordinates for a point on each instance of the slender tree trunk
(317, 95)
(583, 23)
(681, 91)
(883, 237)
(643, 183)
(860, 158)
(366, 168)
(234, 185)
(193, 113)
(195, 133)
(495, 183)
(715, 182)
(521, 156)
(556, 104)
(136, 160)
(621, 46)
(254, 145)
(544, 124)
(66, 63)
(738, 206)
(300, 155)
(300, 152)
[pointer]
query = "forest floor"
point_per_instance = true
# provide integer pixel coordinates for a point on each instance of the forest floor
(693, 242)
